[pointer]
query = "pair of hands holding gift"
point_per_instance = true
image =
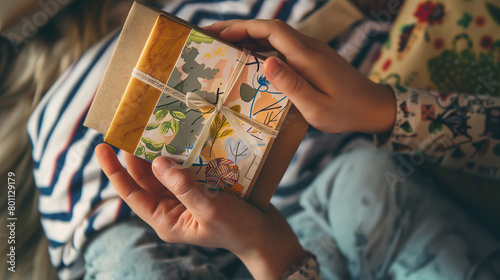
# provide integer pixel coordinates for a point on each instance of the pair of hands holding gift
(331, 95)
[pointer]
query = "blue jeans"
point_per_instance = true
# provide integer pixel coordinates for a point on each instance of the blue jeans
(361, 226)
(358, 225)
(131, 249)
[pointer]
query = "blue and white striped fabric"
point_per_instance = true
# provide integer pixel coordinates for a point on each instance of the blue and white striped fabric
(76, 199)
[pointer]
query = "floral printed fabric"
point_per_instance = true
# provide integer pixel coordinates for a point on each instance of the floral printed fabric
(448, 49)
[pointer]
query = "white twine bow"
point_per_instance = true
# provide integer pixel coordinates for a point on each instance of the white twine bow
(194, 101)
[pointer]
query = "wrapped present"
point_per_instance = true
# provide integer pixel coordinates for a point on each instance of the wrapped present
(172, 89)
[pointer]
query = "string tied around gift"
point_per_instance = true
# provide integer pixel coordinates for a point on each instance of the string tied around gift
(194, 101)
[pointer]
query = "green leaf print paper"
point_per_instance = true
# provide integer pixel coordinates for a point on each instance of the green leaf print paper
(203, 68)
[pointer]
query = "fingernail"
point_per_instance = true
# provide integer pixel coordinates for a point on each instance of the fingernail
(224, 30)
(162, 164)
(274, 67)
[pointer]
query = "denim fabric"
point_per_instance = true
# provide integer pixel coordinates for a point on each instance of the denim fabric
(356, 223)
(132, 250)
(362, 227)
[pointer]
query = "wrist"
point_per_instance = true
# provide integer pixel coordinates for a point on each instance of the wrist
(273, 253)
(273, 263)
(376, 109)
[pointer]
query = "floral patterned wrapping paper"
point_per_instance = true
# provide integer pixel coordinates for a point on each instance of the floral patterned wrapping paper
(225, 162)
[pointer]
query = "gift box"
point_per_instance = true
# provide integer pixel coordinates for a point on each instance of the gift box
(173, 89)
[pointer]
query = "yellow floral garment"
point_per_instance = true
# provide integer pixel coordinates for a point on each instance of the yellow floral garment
(443, 63)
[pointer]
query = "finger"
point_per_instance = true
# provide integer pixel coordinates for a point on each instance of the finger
(142, 202)
(280, 35)
(182, 185)
(218, 26)
(300, 51)
(304, 96)
(256, 45)
(259, 45)
(141, 172)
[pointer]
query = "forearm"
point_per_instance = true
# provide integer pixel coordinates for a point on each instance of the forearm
(373, 110)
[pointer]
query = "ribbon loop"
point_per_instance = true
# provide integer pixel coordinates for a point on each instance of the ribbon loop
(194, 101)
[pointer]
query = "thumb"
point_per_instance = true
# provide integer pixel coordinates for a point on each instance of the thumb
(304, 96)
(185, 188)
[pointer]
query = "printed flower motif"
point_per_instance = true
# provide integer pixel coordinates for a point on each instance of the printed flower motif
(444, 98)
(438, 43)
(262, 80)
(480, 21)
(428, 112)
(387, 64)
(486, 42)
(220, 128)
(429, 12)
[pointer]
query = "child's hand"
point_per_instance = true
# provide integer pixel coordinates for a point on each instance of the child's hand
(331, 95)
(180, 210)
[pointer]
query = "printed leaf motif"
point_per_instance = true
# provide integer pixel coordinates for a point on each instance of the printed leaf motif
(270, 110)
(178, 115)
(401, 88)
(225, 123)
(140, 151)
(152, 126)
(247, 92)
(213, 131)
(435, 127)
(165, 127)
(153, 146)
(406, 127)
(494, 12)
(236, 108)
(236, 150)
(226, 132)
(175, 126)
(147, 140)
(171, 149)
(150, 156)
(465, 20)
(217, 122)
(161, 114)
(199, 38)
